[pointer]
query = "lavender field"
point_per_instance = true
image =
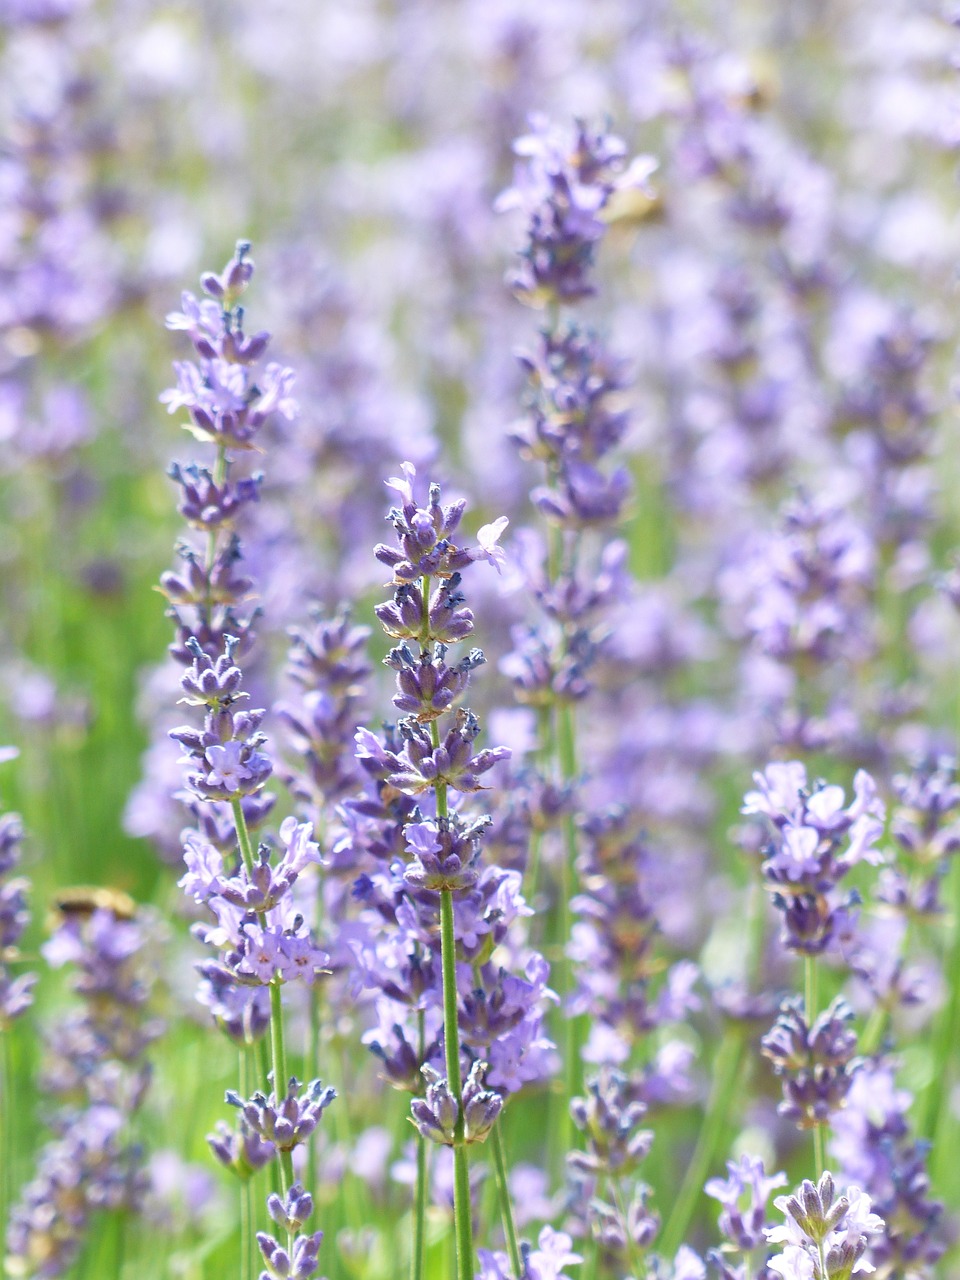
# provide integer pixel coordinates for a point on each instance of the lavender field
(480, 648)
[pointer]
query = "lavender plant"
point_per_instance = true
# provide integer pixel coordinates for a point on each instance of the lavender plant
(488, 1015)
(739, 527)
(261, 939)
(96, 1076)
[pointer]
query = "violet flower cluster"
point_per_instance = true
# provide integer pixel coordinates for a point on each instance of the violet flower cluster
(415, 852)
(16, 993)
(60, 273)
(262, 939)
(804, 594)
(873, 1146)
(825, 1236)
(575, 408)
(816, 1062)
(621, 979)
(814, 840)
(564, 187)
(575, 417)
(328, 669)
(97, 1072)
(229, 394)
(743, 1220)
(554, 1252)
(608, 1203)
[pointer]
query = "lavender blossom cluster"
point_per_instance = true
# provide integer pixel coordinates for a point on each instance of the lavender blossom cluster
(554, 1002)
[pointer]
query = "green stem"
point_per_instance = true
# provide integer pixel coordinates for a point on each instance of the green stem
(246, 1191)
(312, 1067)
(420, 1200)
(810, 989)
(463, 1213)
(246, 1228)
(567, 761)
(243, 839)
(462, 1209)
(419, 1210)
(938, 1116)
(506, 1208)
(725, 1079)
(810, 976)
(819, 1161)
(279, 1076)
(532, 874)
(451, 1038)
(312, 1058)
(5, 1114)
(873, 1032)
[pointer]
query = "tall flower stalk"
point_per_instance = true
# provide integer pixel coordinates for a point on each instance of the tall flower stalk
(815, 841)
(565, 184)
(436, 769)
(261, 938)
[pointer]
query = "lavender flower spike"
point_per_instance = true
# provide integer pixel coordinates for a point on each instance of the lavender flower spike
(436, 1115)
(299, 1262)
(291, 1120)
(564, 182)
(824, 1237)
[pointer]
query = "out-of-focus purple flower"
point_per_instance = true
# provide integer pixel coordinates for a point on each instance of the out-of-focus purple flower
(563, 184)
(815, 840)
(553, 1253)
(872, 1145)
(328, 668)
(743, 1197)
(95, 1068)
(816, 1064)
(87, 1169)
(610, 1119)
(15, 992)
(179, 1193)
(244, 1152)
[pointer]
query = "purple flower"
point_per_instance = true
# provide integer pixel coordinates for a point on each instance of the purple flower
(488, 537)
(609, 1117)
(744, 1224)
(563, 183)
(293, 1210)
(873, 1147)
(445, 852)
(298, 1262)
(437, 1115)
(816, 1063)
(822, 1230)
(814, 842)
(244, 1152)
(288, 1121)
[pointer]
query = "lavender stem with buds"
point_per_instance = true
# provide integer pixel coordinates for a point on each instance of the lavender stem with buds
(262, 939)
(445, 848)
